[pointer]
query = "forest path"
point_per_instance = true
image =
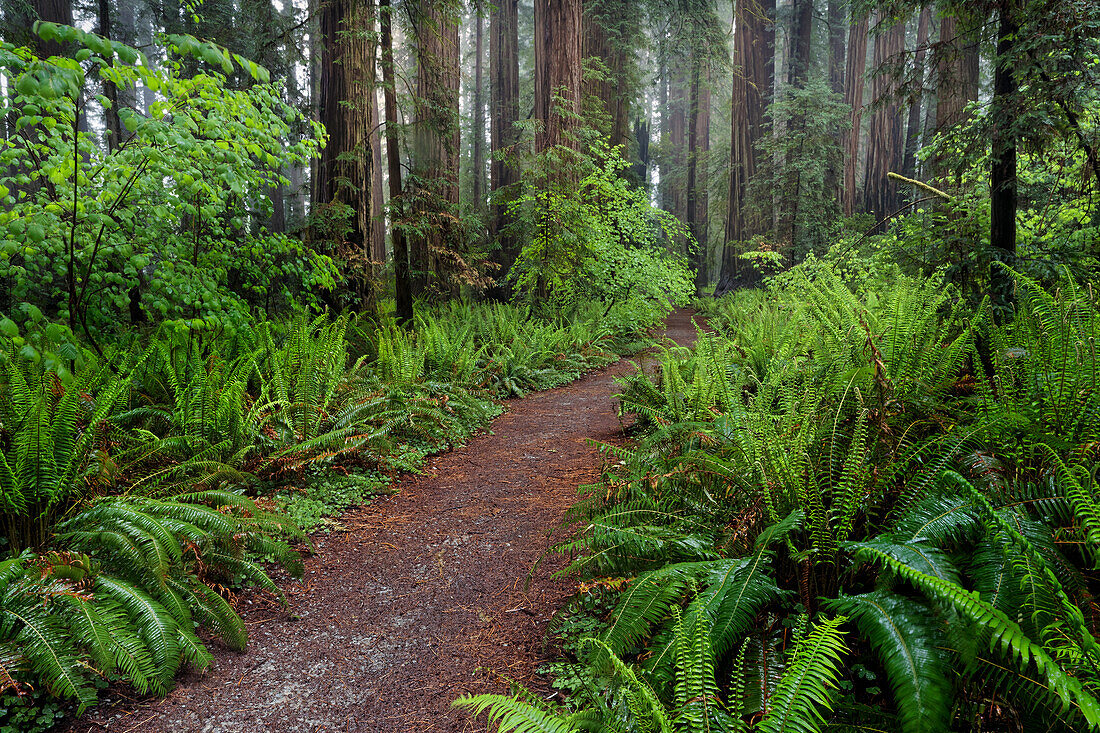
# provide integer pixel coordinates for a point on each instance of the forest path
(421, 594)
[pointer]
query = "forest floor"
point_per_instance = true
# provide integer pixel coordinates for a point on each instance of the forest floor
(419, 597)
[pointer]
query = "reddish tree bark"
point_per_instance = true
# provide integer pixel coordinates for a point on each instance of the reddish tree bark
(557, 70)
(853, 97)
(504, 114)
(754, 68)
(885, 144)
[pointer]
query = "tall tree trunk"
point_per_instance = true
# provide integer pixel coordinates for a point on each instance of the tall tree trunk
(110, 91)
(913, 131)
(504, 112)
(836, 45)
(1002, 179)
(52, 11)
(754, 67)
(478, 151)
(855, 79)
(679, 101)
(437, 143)
(345, 171)
(884, 137)
(956, 86)
(702, 194)
(693, 225)
(402, 281)
(557, 71)
(664, 177)
(608, 31)
(802, 17)
(377, 199)
(297, 194)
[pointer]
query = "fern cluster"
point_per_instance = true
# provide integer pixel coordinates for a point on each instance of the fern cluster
(136, 484)
(881, 461)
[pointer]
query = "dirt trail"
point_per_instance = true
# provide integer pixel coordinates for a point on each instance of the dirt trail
(420, 597)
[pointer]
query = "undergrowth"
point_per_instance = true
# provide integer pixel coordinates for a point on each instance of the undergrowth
(140, 482)
(852, 507)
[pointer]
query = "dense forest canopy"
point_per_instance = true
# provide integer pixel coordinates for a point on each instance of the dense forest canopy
(246, 244)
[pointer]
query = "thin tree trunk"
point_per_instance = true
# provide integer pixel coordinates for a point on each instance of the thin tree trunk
(402, 284)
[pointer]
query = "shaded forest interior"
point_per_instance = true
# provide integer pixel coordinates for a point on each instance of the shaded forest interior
(259, 258)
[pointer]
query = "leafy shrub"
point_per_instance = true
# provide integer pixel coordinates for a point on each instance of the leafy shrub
(162, 218)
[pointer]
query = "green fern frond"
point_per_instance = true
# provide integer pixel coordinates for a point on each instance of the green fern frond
(911, 644)
(806, 688)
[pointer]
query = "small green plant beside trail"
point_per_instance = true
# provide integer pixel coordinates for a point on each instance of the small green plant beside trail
(846, 510)
(138, 485)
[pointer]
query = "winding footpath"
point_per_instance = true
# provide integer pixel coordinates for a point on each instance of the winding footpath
(420, 597)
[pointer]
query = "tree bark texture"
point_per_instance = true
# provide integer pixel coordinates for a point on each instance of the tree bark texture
(855, 80)
(610, 27)
(802, 17)
(558, 36)
(436, 139)
(956, 63)
(345, 173)
(835, 16)
(916, 97)
(504, 114)
(691, 204)
(402, 280)
(885, 143)
(753, 71)
(478, 143)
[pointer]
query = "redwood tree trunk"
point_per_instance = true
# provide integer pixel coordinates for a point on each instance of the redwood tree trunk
(802, 15)
(956, 85)
(1002, 179)
(402, 284)
(884, 137)
(557, 70)
(436, 153)
(836, 45)
(478, 143)
(53, 11)
(754, 66)
(345, 171)
(504, 113)
(913, 131)
(700, 258)
(608, 30)
(853, 97)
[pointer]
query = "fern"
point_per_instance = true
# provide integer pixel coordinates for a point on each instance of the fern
(910, 642)
(806, 686)
(1003, 632)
